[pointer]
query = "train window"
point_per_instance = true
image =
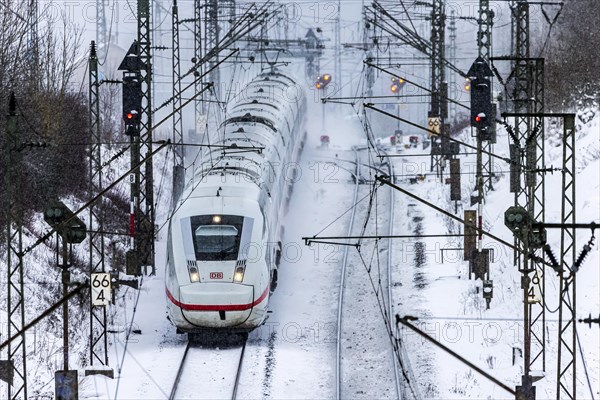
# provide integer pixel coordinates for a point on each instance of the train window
(217, 239)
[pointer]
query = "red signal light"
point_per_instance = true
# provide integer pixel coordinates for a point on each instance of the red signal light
(478, 119)
(129, 116)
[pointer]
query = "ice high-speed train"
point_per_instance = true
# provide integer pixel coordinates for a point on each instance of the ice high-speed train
(224, 240)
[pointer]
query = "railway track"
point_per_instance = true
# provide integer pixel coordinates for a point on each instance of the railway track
(209, 372)
(363, 356)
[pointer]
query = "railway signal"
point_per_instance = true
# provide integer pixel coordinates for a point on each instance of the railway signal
(56, 214)
(323, 81)
(397, 84)
(524, 227)
(480, 86)
(132, 104)
(481, 103)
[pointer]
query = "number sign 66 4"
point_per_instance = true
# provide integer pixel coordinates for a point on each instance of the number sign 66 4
(100, 289)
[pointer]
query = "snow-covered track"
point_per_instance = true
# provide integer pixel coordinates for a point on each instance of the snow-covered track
(392, 319)
(209, 372)
(365, 351)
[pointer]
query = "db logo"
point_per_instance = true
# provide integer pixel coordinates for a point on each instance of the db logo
(216, 275)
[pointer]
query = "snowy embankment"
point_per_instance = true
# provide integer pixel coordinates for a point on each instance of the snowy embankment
(435, 287)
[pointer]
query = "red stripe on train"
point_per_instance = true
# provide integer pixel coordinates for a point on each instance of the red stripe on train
(217, 307)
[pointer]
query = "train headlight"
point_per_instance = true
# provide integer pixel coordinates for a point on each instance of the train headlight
(194, 274)
(216, 219)
(238, 276)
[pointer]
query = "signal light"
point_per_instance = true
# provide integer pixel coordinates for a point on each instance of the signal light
(323, 81)
(481, 104)
(132, 103)
(397, 84)
(56, 214)
(467, 84)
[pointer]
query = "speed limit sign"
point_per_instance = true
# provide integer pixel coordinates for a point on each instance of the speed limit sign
(100, 289)
(434, 125)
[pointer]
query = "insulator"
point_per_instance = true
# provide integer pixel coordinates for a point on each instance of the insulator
(552, 257)
(582, 256)
(586, 249)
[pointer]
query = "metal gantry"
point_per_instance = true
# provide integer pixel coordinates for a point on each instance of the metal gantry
(144, 237)
(98, 337)
(566, 382)
(17, 351)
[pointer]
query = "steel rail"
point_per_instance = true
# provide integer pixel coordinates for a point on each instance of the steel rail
(179, 372)
(239, 372)
(399, 392)
(338, 367)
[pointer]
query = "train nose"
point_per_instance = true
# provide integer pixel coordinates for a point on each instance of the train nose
(217, 304)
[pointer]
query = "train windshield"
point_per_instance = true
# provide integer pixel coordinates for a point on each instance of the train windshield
(217, 237)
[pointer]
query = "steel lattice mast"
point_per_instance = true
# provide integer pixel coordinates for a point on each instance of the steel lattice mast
(484, 45)
(198, 54)
(17, 351)
(102, 33)
(32, 32)
(528, 98)
(438, 110)
(521, 96)
(98, 337)
(144, 238)
(566, 381)
(211, 37)
(338, 51)
(178, 171)
(452, 91)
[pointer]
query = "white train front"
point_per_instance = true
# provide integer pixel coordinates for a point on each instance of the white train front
(224, 238)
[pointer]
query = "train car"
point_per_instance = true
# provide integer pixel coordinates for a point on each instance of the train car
(224, 238)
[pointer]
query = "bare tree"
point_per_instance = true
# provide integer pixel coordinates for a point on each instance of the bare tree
(12, 43)
(572, 62)
(60, 45)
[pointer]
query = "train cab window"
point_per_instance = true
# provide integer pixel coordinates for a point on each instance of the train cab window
(217, 237)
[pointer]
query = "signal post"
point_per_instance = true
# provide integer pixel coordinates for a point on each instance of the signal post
(132, 111)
